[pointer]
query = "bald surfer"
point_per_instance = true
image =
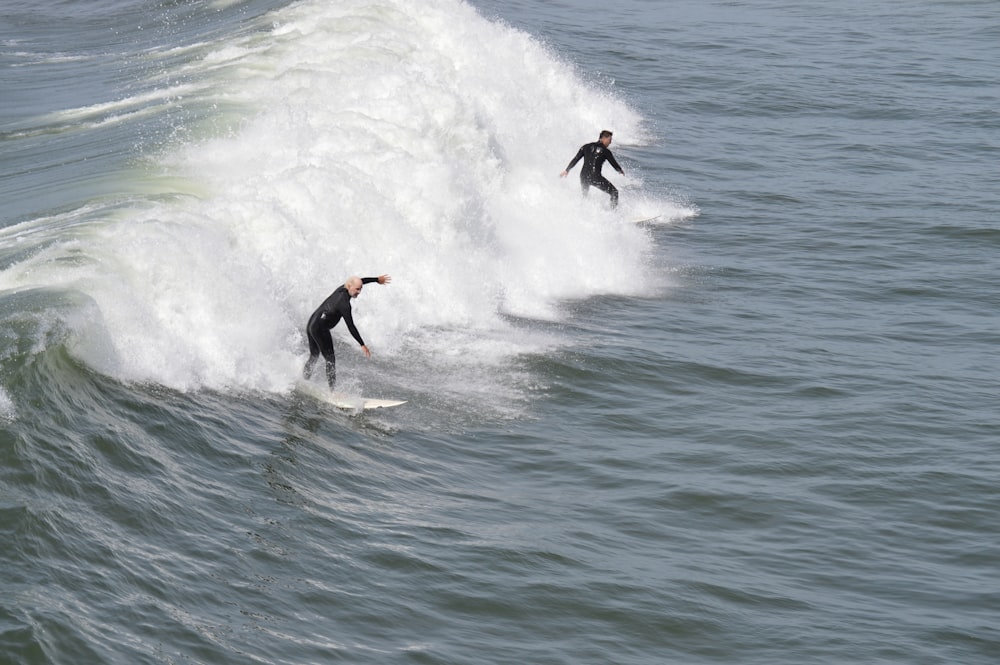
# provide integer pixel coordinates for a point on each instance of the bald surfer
(594, 155)
(336, 307)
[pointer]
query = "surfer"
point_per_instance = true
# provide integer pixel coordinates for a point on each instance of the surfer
(336, 307)
(594, 155)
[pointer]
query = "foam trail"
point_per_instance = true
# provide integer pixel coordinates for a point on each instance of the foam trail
(389, 136)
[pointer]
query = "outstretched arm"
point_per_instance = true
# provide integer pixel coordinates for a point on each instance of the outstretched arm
(614, 164)
(572, 163)
(349, 319)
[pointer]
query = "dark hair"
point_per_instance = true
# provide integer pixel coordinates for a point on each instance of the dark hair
(605, 134)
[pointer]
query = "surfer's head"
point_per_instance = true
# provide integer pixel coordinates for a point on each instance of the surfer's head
(353, 286)
(605, 137)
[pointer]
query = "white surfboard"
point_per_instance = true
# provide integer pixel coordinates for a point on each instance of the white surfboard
(358, 403)
(644, 220)
(345, 401)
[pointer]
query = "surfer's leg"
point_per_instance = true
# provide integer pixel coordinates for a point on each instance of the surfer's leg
(605, 185)
(326, 348)
(584, 186)
(307, 371)
(331, 369)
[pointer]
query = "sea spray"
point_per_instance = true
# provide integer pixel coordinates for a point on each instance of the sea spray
(416, 139)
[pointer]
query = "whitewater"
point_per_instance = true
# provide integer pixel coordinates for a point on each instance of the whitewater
(338, 139)
(761, 430)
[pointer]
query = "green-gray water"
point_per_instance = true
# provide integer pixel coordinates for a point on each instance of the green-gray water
(762, 430)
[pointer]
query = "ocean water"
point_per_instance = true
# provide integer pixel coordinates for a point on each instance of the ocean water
(761, 429)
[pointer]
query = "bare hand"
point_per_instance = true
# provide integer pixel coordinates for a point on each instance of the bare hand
(364, 348)
(563, 174)
(384, 279)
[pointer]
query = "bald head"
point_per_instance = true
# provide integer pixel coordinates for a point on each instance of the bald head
(353, 286)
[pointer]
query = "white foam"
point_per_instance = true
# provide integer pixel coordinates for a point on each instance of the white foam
(387, 136)
(8, 412)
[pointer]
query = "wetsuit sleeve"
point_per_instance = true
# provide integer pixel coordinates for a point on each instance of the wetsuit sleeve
(614, 164)
(579, 156)
(348, 317)
(349, 320)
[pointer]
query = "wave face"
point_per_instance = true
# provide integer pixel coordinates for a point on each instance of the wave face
(321, 140)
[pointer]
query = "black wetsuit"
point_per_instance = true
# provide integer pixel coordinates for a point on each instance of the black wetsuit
(336, 307)
(594, 155)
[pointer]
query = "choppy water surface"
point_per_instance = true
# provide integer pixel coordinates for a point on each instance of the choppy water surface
(760, 430)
